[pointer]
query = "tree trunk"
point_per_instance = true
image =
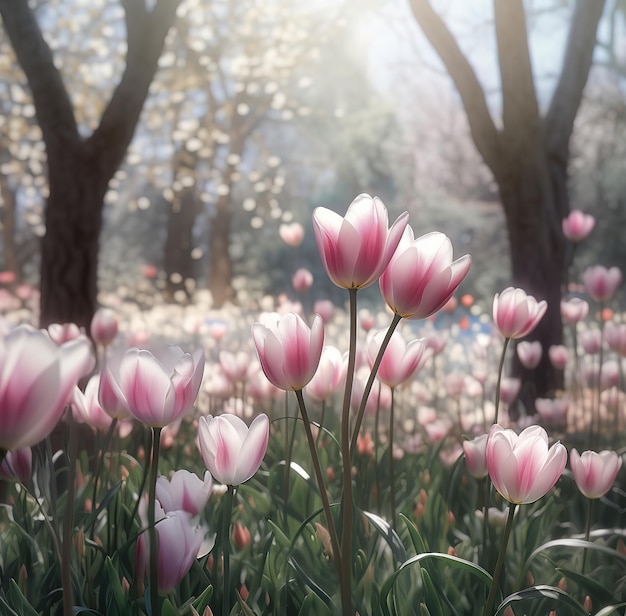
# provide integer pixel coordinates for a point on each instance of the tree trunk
(221, 274)
(9, 251)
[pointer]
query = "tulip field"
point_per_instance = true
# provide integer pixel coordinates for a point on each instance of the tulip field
(348, 460)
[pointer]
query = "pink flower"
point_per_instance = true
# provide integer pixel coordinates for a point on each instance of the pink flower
(289, 351)
(302, 280)
(87, 405)
(523, 468)
(593, 472)
(515, 313)
(558, 356)
(37, 378)
(157, 389)
(64, 332)
(529, 353)
(591, 341)
(601, 283)
(574, 310)
(509, 388)
(108, 398)
(184, 491)
(18, 465)
(292, 234)
(400, 361)
(231, 451)
(476, 456)
(355, 249)
(553, 411)
(330, 374)
(615, 335)
(421, 276)
(577, 226)
(235, 365)
(325, 308)
(104, 326)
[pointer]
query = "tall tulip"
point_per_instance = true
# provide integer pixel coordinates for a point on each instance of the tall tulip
(594, 472)
(400, 360)
(37, 378)
(355, 249)
(421, 276)
(578, 225)
(184, 491)
(515, 313)
(601, 283)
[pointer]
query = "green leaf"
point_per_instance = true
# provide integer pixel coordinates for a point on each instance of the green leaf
(578, 544)
(314, 606)
(167, 609)
(431, 595)
(534, 593)
(203, 600)
(418, 543)
(115, 597)
(244, 606)
(610, 609)
(589, 584)
(388, 534)
(17, 600)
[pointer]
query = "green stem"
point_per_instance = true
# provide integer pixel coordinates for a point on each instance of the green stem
(228, 508)
(144, 477)
(379, 498)
(587, 534)
(99, 467)
(155, 601)
(287, 453)
(500, 368)
(3, 453)
(392, 479)
(68, 519)
(495, 582)
(337, 555)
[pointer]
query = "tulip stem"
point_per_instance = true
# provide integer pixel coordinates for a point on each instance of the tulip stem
(392, 480)
(68, 518)
(498, 384)
(154, 538)
(228, 508)
(337, 555)
(587, 534)
(495, 582)
(99, 467)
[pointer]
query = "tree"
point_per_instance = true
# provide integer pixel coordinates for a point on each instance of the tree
(80, 168)
(529, 155)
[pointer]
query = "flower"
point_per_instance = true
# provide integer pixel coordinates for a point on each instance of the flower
(87, 405)
(601, 282)
(184, 491)
(509, 388)
(594, 472)
(401, 360)
(159, 388)
(516, 314)
(578, 225)
(302, 280)
(529, 353)
(37, 378)
(234, 365)
(476, 456)
(558, 356)
(615, 335)
(18, 465)
(355, 249)
(574, 310)
(553, 411)
(330, 374)
(522, 467)
(231, 451)
(591, 341)
(421, 276)
(104, 326)
(288, 350)
(292, 234)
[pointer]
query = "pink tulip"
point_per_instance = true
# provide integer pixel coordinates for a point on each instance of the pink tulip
(235, 365)
(437, 340)
(355, 249)
(574, 310)
(558, 356)
(601, 283)
(18, 465)
(615, 335)
(401, 360)
(553, 411)
(292, 234)
(515, 313)
(476, 456)
(330, 374)
(593, 472)
(108, 398)
(231, 451)
(289, 351)
(577, 226)
(87, 406)
(454, 383)
(64, 332)
(421, 276)
(302, 280)
(157, 389)
(184, 491)
(104, 326)
(325, 308)
(591, 341)
(529, 353)
(523, 468)
(366, 319)
(37, 378)
(179, 541)
(509, 388)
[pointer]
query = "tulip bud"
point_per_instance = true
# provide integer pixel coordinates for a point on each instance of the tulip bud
(241, 536)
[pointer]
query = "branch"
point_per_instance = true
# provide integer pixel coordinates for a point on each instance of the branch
(567, 96)
(520, 111)
(483, 130)
(52, 103)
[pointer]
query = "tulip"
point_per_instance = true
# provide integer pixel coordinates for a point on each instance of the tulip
(88, 407)
(37, 378)
(355, 249)
(558, 356)
(289, 352)
(601, 283)
(522, 467)
(577, 226)
(594, 472)
(509, 389)
(553, 411)
(325, 308)
(516, 314)
(234, 365)
(157, 389)
(574, 310)
(184, 491)
(112, 403)
(591, 341)
(476, 456)
(401, 360)
(421, 276)
(616, 337)
(18, 465)
(302, 280)
(63, 332)
(330, 374)
(292, 234)
(529, 353)
(104, 326)
(231, 451)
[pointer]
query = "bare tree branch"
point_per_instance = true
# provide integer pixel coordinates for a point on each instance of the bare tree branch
(484, 132)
